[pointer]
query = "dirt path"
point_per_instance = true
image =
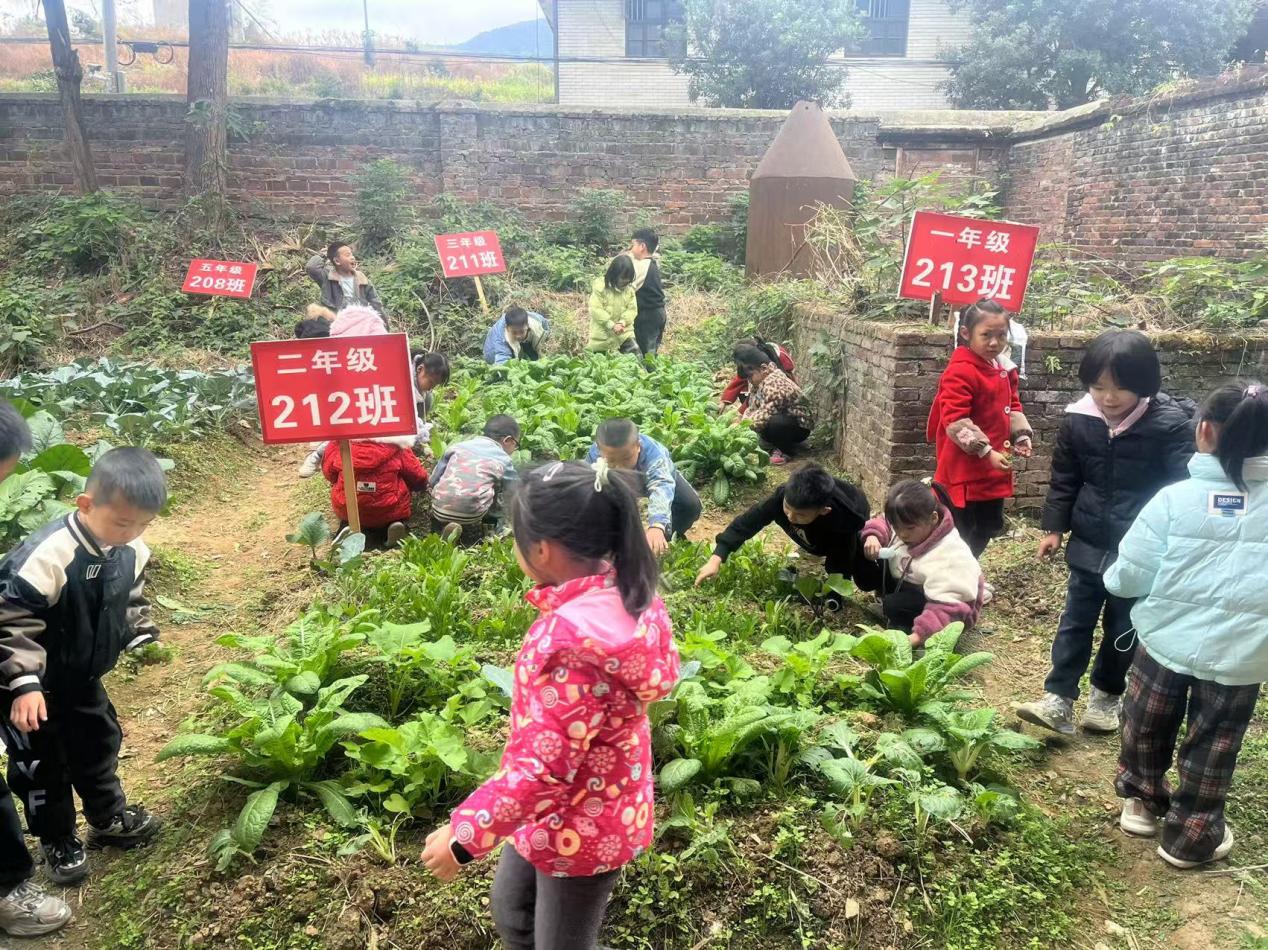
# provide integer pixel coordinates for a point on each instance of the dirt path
(1145, 903)
(223, 563)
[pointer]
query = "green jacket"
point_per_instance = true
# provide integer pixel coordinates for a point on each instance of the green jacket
(609, 307)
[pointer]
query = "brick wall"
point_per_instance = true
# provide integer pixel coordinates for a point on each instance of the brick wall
(891, 375)
(300, 157)
(1144, 180)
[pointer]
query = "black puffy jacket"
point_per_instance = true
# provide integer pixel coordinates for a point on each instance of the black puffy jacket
(1099, 484)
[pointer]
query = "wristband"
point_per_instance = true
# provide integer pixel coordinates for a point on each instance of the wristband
(460, 854)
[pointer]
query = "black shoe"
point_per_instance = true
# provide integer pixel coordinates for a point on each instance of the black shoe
(131, 828)
(67, 861)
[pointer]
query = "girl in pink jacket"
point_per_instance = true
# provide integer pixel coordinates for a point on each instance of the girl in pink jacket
(934, 579)
(574, 790)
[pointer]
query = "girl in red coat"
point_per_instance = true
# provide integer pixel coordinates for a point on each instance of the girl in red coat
(574, 791)
(388, 474)
(976, 423)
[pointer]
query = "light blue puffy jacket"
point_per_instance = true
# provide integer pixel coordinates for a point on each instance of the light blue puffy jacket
(1202, 579)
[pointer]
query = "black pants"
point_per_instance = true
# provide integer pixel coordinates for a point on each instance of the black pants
(649, 330)
(1085, 599)
(15, 860)
(629, 346)
(686, 508)
(978, 522)
(784, 432)
(534, 911)
(375, 538)
(77, 748)
(903, 605)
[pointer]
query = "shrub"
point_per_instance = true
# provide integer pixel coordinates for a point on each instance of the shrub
(559, 268)
(592, 219)
(381, 209)
(78, 233)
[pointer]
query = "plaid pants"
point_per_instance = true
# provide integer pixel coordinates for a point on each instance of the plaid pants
(1153, 709)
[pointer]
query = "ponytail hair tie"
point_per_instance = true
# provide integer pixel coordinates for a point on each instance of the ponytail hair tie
(602, 474)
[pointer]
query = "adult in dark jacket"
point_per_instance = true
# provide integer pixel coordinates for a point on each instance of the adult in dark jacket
(342, 283)
(824, 515)
(1117, 447)
(649, 324)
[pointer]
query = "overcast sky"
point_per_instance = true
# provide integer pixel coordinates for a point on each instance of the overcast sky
(425, 21)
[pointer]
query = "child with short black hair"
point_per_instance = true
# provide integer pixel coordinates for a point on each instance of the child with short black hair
(934, 578)
(575, 791)
(976, 422)
(824, 515)
(472, 480)
(649, 325)
(1195, 559)
(71, 601)
(1118, 445)
(672, 504)
(518, 334)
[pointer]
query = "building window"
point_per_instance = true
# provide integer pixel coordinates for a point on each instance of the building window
(645, 22)
(886, 25)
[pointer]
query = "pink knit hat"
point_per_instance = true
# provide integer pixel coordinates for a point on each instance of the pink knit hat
(358, 320)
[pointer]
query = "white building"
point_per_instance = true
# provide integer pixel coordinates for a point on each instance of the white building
(612, 53)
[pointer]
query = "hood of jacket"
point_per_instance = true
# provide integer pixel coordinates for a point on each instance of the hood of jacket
(1207, 468)
(358, 320)
(638, 652)
(369, 453)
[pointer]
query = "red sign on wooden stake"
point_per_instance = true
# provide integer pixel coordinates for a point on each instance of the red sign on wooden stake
(357, 387)
(966, 259)
(470, 254)
(220, 278)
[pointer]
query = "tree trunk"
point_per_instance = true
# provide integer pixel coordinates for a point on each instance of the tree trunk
(207, 92)
(70, 74)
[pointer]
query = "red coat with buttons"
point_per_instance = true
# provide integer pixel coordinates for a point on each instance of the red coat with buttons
(388, 474)
(985, 393)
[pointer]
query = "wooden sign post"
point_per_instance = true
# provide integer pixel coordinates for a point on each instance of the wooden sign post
(350, 478)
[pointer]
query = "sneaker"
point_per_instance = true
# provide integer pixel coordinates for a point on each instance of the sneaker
(451, 532)
(988, 593)
(1219, 854)
(1103, 713)
(1052, 712)
(67, 861)
(396, 532)
(28, 911)
(778, 458)
(131, 828)
(310, 466)
(1138, 820)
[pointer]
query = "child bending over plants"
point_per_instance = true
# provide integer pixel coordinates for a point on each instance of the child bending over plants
(430, 370)
(736, 392)
(574, 791)
(387, 475)
(472, 481)
(824, 515)
(934, 579)
(776, 406)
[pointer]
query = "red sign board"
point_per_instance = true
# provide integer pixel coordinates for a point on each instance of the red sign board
(966, 259)
(357, 387)
(470, 254)
(220, 278)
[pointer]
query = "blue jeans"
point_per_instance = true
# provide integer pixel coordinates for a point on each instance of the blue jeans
(1085, 600)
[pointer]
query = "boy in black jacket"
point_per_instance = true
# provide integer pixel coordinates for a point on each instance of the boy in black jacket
(70, 602)
(649, 323)
(25, 909)
(824, 515)
(1117, 447)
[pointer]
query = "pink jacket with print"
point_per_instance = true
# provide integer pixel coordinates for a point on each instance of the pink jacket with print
(942, 566)
(575, 783)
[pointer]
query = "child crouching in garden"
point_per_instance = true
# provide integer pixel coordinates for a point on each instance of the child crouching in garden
(574, 790)
(387, 475)
(1195, 558)
(934, 579)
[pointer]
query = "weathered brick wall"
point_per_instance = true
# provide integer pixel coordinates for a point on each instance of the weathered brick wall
(892, 371)
(300, 157)
(1143, 180)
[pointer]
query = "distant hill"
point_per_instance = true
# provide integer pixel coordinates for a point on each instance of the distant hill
(528, 38)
